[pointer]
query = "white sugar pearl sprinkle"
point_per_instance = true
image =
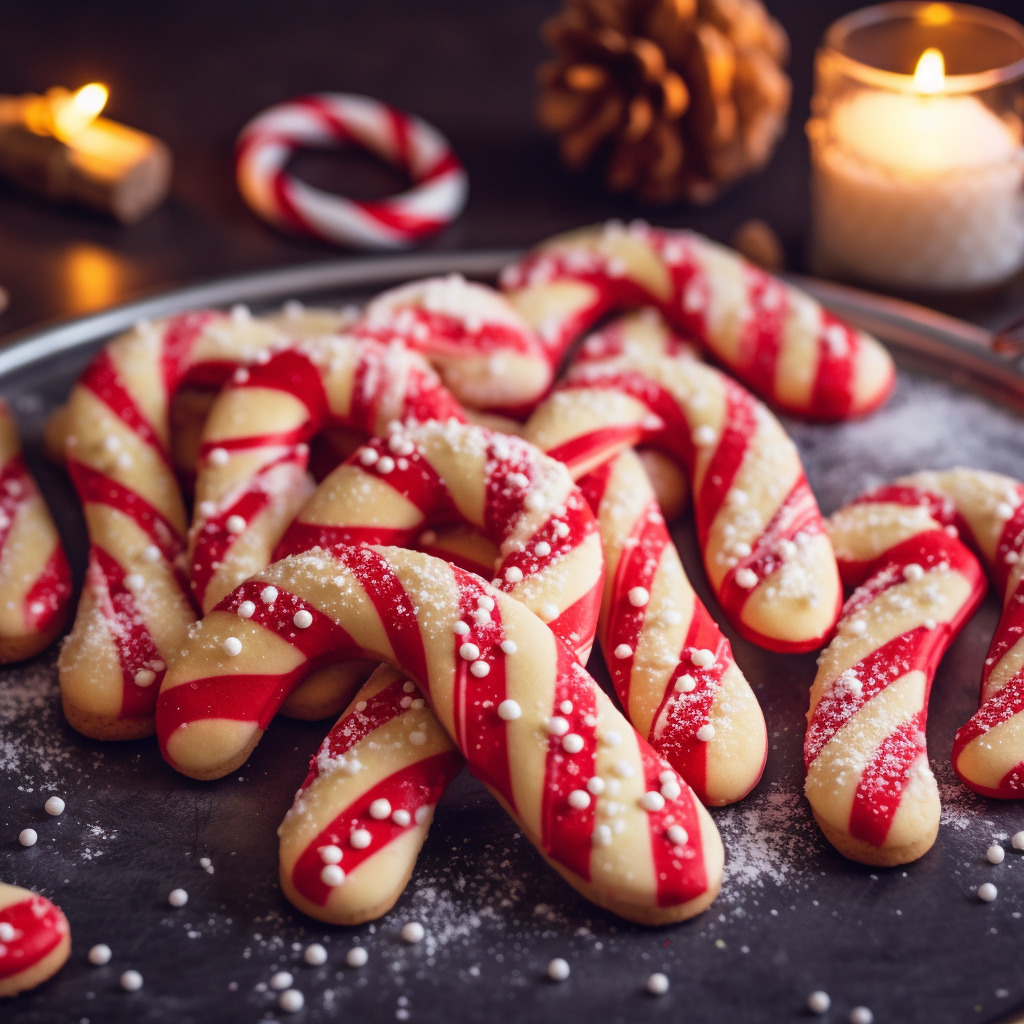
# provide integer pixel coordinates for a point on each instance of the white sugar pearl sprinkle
(246, 610)
(677, 835)
(303, 619)
(819, 1002)
(706, 732)
(557, 726)
(218, 457)
(671, 790)
(360, 838)
(746, 578)
(134, 581)
(596, 785)
(702, 658)
(579, 799)
(332, 875)
(330, 854)
(28, 837)
(558, 969)
(861, 1015)
(268, 595)
(1017, 842)
(639, 596)
(357, 957)
(483, 601)
(281, 980)
(131, 981)
(402, 818)
(55, 805)
(573, 743)
(235, 524)
(380, 809)
(542, 549)
(686, 684)
(177, 897)
(469, 652)
(412, 932)
(145, 677)
(385, 464)
(622, 651)
(232, 646)
(657, 984)
(513, 574)
(315, 955)
(652, 801)
(509, 710)
(508, 646)
(913, 572)
(460, 628)
(995, 854)
(291, 1000)
(987, 892)
(100, 954)
(480, 669)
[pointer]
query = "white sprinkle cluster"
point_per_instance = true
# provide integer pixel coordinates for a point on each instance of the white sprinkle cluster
(746, 578)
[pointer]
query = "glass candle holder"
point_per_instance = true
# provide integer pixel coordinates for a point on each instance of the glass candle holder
(917, 148)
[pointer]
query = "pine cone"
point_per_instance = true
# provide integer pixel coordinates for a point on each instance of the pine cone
(676, 98)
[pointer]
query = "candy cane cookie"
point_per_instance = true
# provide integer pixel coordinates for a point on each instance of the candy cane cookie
(35, 940)
(776, 339)
(530, 721)
(868, 780)
(761, 533)
(484, 350)
(987, 509)
(35, 577)
(251, 471)
(350, 840)
(135, 605)
(672, 668)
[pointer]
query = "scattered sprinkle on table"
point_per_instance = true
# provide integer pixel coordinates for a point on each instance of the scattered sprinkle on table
(558, 969)
(315, 955)
(657, 984)
(291, 1001)
(28, 837)
(861, 1015)
(995, 854)
(1017, 842)
(987, 892)
(55, 805)
(819, 1002)
(177, 897)
(413, 931)
(282, 980)
(99, 955)
(131, 981)
(357, 957)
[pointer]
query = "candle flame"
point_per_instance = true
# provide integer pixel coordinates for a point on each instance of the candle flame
(76, 112)
(930, 73)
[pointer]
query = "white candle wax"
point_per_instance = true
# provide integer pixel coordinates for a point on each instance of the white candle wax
(919, 191)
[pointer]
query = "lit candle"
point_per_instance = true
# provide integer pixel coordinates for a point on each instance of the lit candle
(917, 178)
(59, 146)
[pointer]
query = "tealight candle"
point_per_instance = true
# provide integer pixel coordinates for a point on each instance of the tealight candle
(918, 149)
(59, 146)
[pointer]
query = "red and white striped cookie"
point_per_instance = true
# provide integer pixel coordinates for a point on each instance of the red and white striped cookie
(672, 668)
(135, 606)
(394, 489)
(773, 337)
(341, 120)
(350, 840)
(761, 533)
(546, 553)
(35, 577)
(485, 352)
(35, 940)
(527, 717)
(251, 472)
(868, 779)
(987, 509)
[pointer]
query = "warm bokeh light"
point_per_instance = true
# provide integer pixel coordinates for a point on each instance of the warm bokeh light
(76, 112)
(92, 278)
(930, 73)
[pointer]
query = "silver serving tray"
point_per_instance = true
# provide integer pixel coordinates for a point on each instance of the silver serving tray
(913, 944)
